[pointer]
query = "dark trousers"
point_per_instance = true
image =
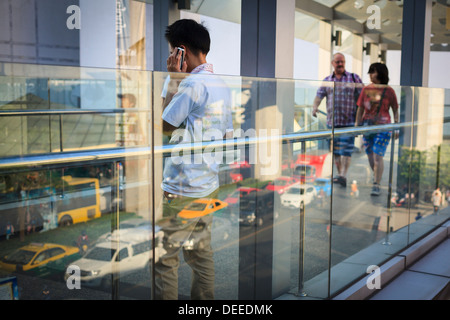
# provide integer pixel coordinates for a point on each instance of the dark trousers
(200, 259)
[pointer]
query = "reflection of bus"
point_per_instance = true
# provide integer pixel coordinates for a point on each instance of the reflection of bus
(80, 202)
(43, 207)
(21, 210)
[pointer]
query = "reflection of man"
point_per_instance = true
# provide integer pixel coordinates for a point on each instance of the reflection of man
(199, 110)
(128, 130)
(343, 99)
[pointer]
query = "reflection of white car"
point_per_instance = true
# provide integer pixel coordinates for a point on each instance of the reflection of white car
(121, 252)
(298, 195)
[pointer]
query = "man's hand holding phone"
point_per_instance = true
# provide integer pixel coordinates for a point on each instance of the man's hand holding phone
(175, 62)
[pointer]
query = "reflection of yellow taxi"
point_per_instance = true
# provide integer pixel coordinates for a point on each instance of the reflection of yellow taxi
(201, 207)
(35, 256)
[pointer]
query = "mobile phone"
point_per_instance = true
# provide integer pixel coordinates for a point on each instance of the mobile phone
(182, 56)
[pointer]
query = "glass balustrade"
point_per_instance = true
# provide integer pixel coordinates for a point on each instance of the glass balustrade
(101, 199)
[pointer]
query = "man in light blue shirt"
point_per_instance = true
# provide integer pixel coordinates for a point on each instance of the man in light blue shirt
(197, 108)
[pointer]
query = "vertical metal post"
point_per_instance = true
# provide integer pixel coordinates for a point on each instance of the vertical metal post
(301, 257)
(438, 165)
(301, 253)
(49, 117)
(389, 203)
(332, 192)
(60, 134)
(152, 161)
(115, 226)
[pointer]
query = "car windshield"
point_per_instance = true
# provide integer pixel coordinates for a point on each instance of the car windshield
(20, 257)
(296, 191)
(303, 170)
(280, 182)
(195, 206)
(101, 254)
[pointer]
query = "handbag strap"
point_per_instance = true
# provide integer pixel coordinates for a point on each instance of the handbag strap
(379, 105)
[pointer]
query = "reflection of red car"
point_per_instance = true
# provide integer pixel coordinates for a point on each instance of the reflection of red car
(236, 176)
(240, 170)
(239, 192)
(281, 184)
(239, 165)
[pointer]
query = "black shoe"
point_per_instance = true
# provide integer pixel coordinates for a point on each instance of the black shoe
(342, 181)
(375, 190)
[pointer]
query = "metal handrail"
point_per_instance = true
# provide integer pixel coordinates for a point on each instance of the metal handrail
(145, 152)
(52, 112)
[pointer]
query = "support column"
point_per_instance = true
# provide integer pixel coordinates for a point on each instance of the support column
(325, 49)
(374, 52)
(267, 51)
(416, 42)
(164, 14)
(416, 33)
(267, 43)
(357, 54)
(415, 59)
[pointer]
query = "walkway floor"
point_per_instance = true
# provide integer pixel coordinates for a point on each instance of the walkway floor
(420, 272)
(427, 279)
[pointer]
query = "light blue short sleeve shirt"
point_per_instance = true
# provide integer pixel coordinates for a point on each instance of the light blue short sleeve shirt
(201, 110)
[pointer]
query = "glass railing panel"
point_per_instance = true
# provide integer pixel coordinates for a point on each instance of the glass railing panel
(255, 244)
(362, 213)
(139, 239)
(307, 204)
(91, 109)
(53, 221)
(107, 199)
(261, 256)
(428, 177)
(199, 213)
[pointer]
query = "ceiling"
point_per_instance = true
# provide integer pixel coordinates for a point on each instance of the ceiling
(391, 20)
(350, 14)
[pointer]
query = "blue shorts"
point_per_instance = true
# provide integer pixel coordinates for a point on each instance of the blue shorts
(343, 145)
(377, 143)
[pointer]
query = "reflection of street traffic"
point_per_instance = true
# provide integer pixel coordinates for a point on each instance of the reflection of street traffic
(134, 223)
(193, 236)
(304, 173)
(356, 223)
(233, 198)
(256, 208)
(201, 207)
(280, 184)
(39, 259)
(323, 184)
(120, 252)
(298, 195)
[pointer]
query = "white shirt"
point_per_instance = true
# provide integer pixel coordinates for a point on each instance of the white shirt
(201, 110)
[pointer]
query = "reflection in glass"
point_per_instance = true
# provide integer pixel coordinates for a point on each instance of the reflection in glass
(255, 236)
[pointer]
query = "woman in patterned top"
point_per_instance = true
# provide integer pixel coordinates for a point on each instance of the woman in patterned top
(373, 109)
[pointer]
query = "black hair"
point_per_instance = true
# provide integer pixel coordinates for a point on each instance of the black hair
(382, 71)
(189, 33)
